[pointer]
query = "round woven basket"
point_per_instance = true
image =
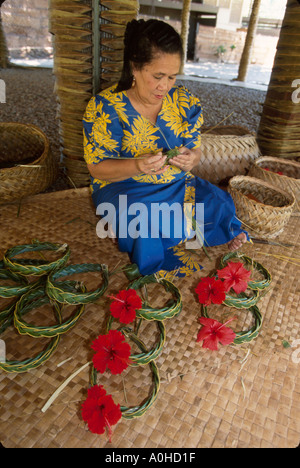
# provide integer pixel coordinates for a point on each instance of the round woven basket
(263, 208)
(27, 165)
(267, 168)
(226, 151)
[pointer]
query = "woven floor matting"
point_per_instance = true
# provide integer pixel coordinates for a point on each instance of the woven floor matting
(239, 396)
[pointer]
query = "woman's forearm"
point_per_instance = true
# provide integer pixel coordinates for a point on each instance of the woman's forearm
(115, 170)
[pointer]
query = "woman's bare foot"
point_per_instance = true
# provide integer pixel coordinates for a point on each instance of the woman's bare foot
(237, 242)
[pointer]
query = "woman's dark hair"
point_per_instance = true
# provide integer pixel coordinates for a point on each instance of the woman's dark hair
(142, 41)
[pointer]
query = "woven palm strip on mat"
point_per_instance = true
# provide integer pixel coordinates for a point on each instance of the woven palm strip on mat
(246, 396)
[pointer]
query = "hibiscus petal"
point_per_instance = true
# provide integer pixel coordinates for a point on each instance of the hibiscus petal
(211, 343)
(226, 336)
(241, 286)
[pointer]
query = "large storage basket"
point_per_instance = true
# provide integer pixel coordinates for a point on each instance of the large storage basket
(267, 168)
(226, 151)
(27, 165)
(263, 208)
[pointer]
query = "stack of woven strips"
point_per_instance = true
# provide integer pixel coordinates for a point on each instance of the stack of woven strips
(114, 15)
(32, 295)
(71, 25)
(88, 56)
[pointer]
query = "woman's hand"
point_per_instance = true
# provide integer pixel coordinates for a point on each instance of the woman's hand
(151, 164)
(187, 159)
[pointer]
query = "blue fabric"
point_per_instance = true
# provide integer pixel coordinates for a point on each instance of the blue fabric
(113, 129)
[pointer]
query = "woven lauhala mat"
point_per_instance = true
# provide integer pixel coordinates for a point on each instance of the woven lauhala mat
(239, 396)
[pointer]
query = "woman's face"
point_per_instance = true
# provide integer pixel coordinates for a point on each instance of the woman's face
(156, 78)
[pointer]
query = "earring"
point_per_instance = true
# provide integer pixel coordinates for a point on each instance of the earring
(133, 81)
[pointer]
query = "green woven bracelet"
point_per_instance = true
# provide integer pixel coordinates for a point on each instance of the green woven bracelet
(248, 335)
(42, 357)
(60, 291)
(35, 268)
(255, 284)
(139, 410)
(34, 299)
(142, 359)
(173, 307)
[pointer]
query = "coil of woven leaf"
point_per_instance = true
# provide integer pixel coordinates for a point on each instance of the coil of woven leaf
(173, 307)
(253, 284)
(248, 335)
(31, 363)
(30, 301)
(148, 356)
(30, 268)
(7, 315)
(21, 286)
(138, 410)
(60, 290)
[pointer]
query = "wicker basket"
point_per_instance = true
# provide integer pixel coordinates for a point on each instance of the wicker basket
(27, 165)
(267, 211)
(288, 181)
(226, 151)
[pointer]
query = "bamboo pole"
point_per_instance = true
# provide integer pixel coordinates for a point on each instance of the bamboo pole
(185, 20)
(3, 47)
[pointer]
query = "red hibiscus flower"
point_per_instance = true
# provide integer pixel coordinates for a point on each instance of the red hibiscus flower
(235, 276)
(214, 332)
(210, 290)
(112, 352)
(100, 411)
(125, 305)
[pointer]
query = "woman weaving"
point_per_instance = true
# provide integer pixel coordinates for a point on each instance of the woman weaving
(128, 128)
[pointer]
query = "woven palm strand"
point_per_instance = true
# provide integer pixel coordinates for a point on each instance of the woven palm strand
(60, 291)
(172, 309)
(30, 268)
(289, 180)
(226, 151)
(29, 301)
(247, 335)
(267, 216)
(138, 410)
(20, 287)
(253, 284)
(146, 357)
(43, 356)
(27, 165)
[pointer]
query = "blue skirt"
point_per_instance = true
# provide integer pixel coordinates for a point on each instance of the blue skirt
(151, 224)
